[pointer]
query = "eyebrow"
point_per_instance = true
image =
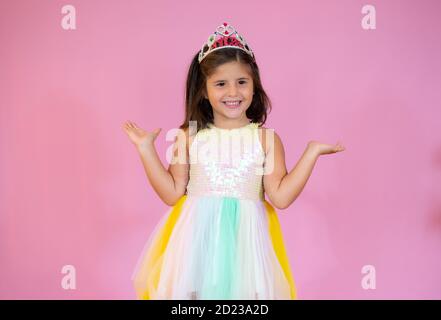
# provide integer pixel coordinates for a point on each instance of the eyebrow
(242, 78)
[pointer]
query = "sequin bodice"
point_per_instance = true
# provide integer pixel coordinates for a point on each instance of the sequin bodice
(227, 162)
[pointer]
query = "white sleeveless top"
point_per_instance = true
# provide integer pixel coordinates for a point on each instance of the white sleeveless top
(227, 162)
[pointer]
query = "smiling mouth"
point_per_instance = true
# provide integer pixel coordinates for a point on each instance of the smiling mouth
(233, 105)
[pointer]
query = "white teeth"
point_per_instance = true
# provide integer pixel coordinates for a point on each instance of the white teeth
(235, 103)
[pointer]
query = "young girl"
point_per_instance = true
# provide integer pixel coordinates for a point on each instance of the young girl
(221, 239)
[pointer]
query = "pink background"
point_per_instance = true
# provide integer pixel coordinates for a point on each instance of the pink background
(72, 187)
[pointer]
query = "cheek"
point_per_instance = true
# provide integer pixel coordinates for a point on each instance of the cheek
(248, 89)
(248, 92)
(218, 95)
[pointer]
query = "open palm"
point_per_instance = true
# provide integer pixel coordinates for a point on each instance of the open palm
(323, 148)
(139, 136)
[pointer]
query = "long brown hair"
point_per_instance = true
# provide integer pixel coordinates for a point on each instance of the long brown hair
(198, 108)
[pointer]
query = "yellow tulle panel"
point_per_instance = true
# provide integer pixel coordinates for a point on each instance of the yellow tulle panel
(279, 246)
(148, 270)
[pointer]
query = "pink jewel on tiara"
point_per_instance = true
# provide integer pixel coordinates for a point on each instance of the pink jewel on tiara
(225, 36)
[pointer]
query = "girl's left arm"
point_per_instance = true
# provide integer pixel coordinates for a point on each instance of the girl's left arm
(281, 187)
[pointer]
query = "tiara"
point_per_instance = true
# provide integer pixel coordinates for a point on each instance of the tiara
(225, 36)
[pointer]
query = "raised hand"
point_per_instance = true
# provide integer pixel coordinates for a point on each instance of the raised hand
(140, 137)
(323, 148)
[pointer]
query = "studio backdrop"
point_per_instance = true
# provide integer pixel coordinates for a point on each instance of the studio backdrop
(76, 207)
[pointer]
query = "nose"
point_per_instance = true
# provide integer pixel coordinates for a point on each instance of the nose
(232, 90)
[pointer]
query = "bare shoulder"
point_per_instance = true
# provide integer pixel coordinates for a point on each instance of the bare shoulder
(184, 138)
(269, 139)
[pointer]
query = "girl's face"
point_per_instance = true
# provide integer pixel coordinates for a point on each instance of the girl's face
(231, 82)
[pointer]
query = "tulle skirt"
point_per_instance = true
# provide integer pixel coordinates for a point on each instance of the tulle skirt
(215, 247)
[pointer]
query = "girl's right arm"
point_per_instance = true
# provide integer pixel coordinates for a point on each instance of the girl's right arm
(169, 184)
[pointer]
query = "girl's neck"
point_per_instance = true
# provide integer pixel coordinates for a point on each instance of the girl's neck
(231, 124)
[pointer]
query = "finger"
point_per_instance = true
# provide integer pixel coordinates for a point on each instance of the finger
(157, 131)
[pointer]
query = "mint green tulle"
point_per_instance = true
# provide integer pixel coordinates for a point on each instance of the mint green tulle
(223, 248)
